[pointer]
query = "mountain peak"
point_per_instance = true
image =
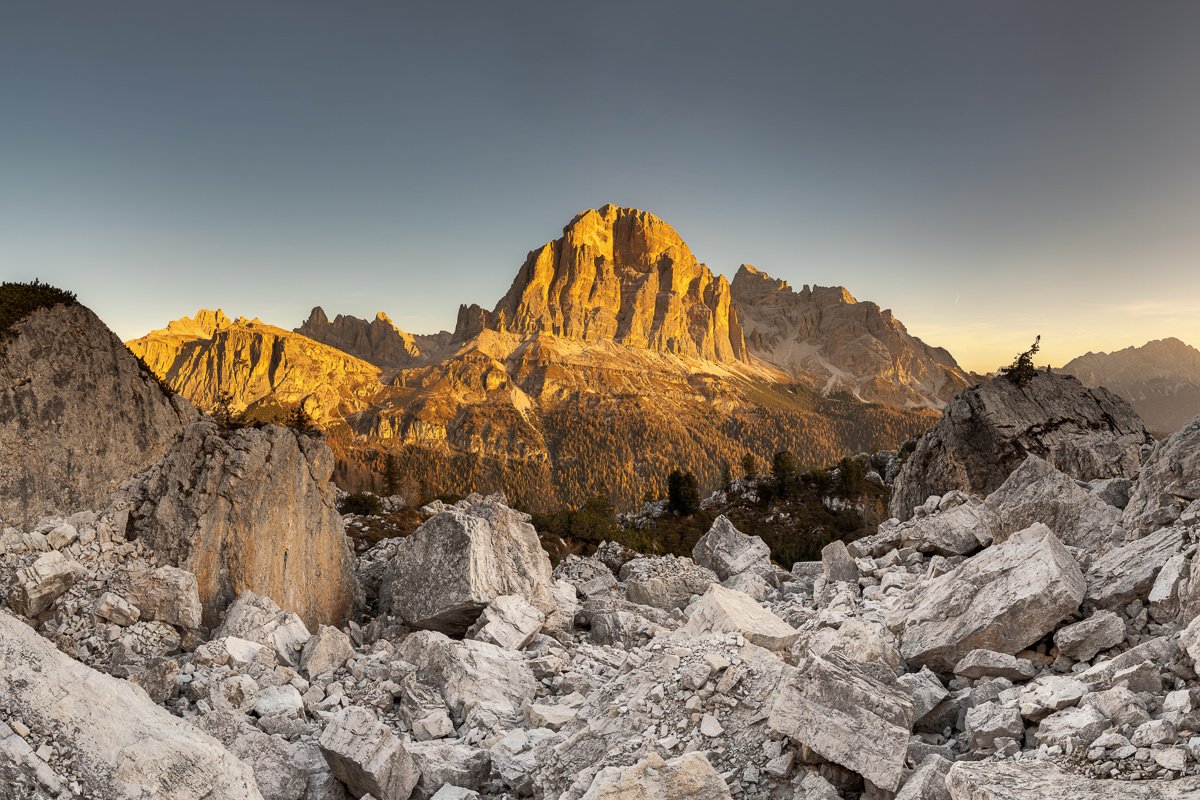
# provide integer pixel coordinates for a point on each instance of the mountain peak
(206, 323)
(624, 275)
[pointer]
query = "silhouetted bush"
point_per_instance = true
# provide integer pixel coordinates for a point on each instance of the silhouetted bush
(1022, 370)
(683, 493)
(361, 503)
(19, 300)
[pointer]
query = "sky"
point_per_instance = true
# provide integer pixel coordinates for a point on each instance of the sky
(990, 171)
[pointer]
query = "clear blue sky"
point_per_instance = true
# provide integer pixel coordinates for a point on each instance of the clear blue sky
(989, 170)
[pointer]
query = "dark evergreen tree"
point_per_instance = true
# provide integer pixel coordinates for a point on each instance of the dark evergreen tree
(750, 467)
(391, 474)
(783, 473)
(300, 421)
(683, 493)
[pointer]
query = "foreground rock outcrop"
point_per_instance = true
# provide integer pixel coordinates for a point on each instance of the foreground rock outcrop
(78, 415)
(988, 430)
(257, 515)
(100, 732)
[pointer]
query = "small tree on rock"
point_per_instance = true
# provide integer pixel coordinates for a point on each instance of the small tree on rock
(1022, 370)
(391, 474)
(222, 411)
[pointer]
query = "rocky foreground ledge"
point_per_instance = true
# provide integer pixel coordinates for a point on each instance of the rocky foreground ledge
(1037, 642)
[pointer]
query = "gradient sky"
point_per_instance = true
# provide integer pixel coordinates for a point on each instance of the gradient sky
(988, 170)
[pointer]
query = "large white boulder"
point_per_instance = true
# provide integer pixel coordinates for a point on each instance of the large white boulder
(124, 747)
(1037, 492)
(366, 756)
(460, 560)
(1003, 599)
(853, 714)
(723, 610)
(729, 552)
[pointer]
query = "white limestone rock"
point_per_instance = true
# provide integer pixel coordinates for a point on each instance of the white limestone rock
(1037, 492)
(852, 714)
(447, 572)
(1083, 640)
(326, 651)
(723, 610)
(665, 582)
(257, 619)
(44, 581)
(366, 756)
(508, 622)
(1038, 780)
(1127, 573)
(728, 552)
(124, 747)
(1003, 599)
(689, 777)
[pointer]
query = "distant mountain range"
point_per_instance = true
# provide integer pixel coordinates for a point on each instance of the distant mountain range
(614, 356)
(1160, 379)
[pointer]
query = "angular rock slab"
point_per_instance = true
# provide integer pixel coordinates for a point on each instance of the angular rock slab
(460, 560)
(723, 610)
(1037, 492)
(1169, 481)
(1034, 780)
(1127, 573)
(365, 755)
(729, 552)
(42, 582)
(126, 747)
(508, 622)
(852, 714)
(689, 777)
(1003, 599)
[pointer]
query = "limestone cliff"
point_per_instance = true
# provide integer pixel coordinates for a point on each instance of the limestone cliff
(987, 431)
(78, 415)
(248, 509)
(624, 275)
(823, 335)
(257, 363)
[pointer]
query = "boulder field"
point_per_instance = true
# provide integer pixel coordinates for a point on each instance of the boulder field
(1040, 640)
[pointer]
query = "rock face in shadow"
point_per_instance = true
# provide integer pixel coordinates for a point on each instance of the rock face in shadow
(123, 746)
(248, 509)
(78, 415)
(1169, 483)
(987, 431)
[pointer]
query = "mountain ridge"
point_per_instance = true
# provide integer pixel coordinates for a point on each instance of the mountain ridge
(615, 323)
(1160, 379)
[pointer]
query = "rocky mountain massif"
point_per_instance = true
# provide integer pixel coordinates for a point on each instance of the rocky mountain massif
(1039, 640)
(1160, 379)
(614, 357)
